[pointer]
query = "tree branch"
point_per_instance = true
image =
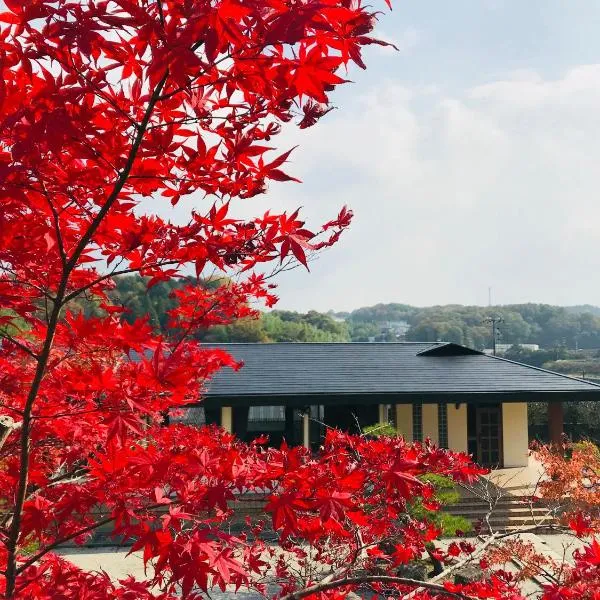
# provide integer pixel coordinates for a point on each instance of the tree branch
(123, 176)
(359, 580)
(57, 543)
(20, 345)
(56, 220)
(161, 15)
(70, 537)
(90, 285)
(461, 563)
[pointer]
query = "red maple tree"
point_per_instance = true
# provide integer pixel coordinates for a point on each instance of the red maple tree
(109, 107)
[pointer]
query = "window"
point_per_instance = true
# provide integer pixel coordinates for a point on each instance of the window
(384, 414)
(276, 422)
(417, 414)
(443, 425)
(266, 413)
(269, 420)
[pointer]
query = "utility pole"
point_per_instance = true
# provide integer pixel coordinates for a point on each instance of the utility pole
(494, 321)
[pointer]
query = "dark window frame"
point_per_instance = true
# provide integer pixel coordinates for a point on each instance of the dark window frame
(417, 422)
(443, 425)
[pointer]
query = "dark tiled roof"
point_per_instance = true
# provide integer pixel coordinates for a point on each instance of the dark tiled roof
(339, 369)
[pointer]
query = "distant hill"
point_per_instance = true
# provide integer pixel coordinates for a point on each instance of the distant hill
(584, 308)
(551, 327)
(543, 324)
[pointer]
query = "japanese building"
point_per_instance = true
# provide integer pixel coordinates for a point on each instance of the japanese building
(457, 397)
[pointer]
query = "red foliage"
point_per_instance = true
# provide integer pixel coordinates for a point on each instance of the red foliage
(106, 109)
(572, 485)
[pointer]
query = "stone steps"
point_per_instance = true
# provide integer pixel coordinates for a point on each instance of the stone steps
(509, 512)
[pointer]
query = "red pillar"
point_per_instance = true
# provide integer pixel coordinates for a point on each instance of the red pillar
(555, 422)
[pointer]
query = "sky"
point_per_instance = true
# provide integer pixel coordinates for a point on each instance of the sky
(470, 158)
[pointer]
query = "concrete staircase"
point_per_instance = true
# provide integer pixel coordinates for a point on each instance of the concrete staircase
(505, 510)
(509, 513)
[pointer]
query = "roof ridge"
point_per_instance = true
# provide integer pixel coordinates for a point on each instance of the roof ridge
(441, 349)
(542, 370)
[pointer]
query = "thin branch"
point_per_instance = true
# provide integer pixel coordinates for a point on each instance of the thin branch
(11, 408)
(330, 585)
(90, 285)
(161, 15)
(97, 89)
(122, 179)
(19, 281)
(56, 221)
(57, 543)
(461, 563)
(20, 345)
(70, 537)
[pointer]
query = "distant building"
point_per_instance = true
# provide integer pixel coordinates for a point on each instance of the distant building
(338, 319)
(397, 328)
(504, 348)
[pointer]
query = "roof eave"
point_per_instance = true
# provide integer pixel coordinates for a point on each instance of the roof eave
(329, 399)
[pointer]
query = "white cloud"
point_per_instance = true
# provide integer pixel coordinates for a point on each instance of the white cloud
(495, 186)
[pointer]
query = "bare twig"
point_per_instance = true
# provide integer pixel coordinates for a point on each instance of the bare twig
(18, 344)
(366, 579)
(7, 426)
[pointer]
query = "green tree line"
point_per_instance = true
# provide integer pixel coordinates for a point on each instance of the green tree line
(275, 326)
(554, 328)
(543, 324)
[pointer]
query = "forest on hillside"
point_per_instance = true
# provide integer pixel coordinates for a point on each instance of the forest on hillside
(542, 324)
(557, 330)
(153, 303)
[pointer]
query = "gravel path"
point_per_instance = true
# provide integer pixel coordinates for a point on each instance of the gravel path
(116, 562)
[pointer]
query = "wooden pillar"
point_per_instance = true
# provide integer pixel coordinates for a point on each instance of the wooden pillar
(288, 432)
(239, 421)
(227, 418)
(555, 422)
(306, 429)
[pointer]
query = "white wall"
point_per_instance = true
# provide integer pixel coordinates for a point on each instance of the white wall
(430, 422)
(227, 418)
(404, 421)
(457, 427)
(515, 435)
